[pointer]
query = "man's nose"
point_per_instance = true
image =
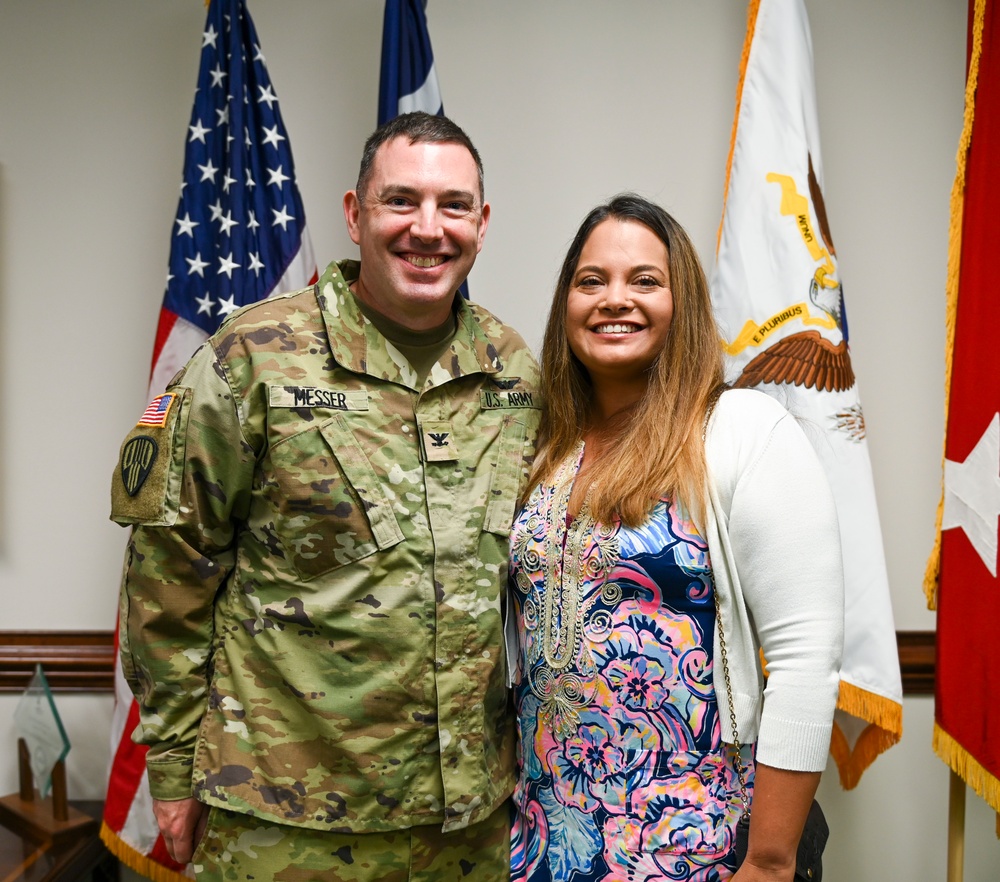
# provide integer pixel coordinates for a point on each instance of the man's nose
(427, 224)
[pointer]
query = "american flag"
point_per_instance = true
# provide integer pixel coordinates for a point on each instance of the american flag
(240, 231)
(238, 237)
(157, 410)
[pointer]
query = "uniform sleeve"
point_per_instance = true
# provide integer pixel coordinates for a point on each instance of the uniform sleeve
(785, 539)
(183, 483)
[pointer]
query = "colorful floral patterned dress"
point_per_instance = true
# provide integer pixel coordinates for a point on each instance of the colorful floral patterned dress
(622, 775)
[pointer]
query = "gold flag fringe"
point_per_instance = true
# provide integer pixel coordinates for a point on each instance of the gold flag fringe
(933, 571)
(136, 861)
(744, 58)
(885, 719)
(877, 709)
(963, 764)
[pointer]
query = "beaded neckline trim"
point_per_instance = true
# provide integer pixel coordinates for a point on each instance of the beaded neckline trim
(577, 560)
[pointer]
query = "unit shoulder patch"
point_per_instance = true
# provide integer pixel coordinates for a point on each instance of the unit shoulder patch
(137, 460)
(145, 488)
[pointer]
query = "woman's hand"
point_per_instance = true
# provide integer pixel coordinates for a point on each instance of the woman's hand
(751, 873)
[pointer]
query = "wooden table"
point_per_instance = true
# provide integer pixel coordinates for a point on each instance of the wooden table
(24, 860)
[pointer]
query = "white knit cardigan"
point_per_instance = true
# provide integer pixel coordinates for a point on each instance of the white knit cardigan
(774, 542)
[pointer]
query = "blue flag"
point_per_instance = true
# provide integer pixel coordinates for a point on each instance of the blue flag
(408, 81)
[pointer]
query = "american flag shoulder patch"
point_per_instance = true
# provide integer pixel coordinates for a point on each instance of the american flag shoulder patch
(157, 411)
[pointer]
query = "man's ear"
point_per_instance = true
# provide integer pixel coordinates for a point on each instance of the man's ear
(484, 222)
(352, 214)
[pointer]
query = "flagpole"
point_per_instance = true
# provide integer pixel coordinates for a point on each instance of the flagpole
(956, 827)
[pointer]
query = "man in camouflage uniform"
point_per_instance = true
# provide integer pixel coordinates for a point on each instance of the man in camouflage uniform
(313, 599)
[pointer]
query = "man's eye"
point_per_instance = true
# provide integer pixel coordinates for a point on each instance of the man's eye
(397, 201)
(456, 206)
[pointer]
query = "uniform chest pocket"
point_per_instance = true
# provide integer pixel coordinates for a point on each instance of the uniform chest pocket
(505, 485)
(330, 509)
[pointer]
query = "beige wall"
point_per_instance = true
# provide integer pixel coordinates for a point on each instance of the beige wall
(569, 102)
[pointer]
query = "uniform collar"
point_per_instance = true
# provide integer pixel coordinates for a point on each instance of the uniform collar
(357, 345)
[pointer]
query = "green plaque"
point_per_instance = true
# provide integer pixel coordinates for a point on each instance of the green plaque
(37, 722)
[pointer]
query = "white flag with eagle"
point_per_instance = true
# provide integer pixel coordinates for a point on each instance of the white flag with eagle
(779, 300)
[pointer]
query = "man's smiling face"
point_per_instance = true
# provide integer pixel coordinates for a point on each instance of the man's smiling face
(419, 226)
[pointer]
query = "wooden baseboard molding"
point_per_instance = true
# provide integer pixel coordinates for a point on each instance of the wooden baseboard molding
(83, 661)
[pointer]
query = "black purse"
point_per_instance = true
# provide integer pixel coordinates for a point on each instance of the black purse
(808, 856)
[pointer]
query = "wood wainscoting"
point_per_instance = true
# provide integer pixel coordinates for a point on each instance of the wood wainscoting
(73, 661)
(83, 661)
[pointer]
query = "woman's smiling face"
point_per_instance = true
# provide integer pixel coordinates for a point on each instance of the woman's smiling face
(619, 307)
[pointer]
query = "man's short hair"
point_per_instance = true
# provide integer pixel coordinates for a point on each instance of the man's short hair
(420, 128)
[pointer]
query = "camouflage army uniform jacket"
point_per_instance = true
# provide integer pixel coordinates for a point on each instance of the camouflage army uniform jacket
(312, 604)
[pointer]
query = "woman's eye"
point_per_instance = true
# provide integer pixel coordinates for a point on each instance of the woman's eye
(647, 282)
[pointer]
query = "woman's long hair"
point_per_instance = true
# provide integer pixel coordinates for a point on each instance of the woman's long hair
(657, 448)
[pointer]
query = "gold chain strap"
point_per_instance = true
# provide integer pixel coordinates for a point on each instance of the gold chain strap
(723, 650)
(738, 759)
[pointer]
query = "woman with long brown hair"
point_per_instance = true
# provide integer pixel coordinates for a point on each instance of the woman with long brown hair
(669, 519)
